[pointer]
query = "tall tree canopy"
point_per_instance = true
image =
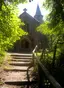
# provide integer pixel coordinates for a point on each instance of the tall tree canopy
(54, 27)
(9, 27)
(10, 30)
(56, 11)
(12, 2)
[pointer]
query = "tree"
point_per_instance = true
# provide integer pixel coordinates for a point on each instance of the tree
(55, 36)
(10, 30)
(15, 2)
(56, 8)
(54, 28)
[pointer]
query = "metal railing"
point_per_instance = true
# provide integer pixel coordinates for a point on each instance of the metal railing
(46, 80)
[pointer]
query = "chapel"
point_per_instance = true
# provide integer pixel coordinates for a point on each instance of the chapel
(28, 42)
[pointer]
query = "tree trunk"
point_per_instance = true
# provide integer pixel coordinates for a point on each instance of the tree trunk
(54, 56)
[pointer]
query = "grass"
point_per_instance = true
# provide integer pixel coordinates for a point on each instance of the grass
(1, 83)
(39, 53)
(7, 67)
(2, 57)
(1, 60)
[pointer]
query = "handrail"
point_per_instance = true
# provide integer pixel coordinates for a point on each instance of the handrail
(46, 72)
(35, 49)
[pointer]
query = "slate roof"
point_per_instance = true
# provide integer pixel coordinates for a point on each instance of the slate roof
(28, 16)
(38, 11)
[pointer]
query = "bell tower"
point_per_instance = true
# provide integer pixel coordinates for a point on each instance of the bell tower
(38, 16)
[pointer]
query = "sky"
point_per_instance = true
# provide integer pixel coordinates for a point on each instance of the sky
(31, 8)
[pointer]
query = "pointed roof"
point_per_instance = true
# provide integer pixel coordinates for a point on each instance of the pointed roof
(38, 12)
(38, 16)
(25, 14)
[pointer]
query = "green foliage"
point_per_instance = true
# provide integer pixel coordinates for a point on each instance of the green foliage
(2, 55)
(45, 29)
(12, 2)
(9, 28)
(56, 33)
(56, 41)
(53, 56)
(1, 60)
(19, 1)
(1, 83)
(16, 1)
(56, 11)
(54, 29)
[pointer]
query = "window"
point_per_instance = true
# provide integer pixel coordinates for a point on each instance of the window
(26, 27)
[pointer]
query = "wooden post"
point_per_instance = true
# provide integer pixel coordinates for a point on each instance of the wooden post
(41, 77)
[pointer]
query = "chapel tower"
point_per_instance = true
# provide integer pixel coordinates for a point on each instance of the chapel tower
(38, 16)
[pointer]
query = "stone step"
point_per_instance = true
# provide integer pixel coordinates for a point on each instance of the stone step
(17, 68)
(20, 54)
(21, 60)
(20, 63)
(16, 76)
(17, 57)
(20, 82)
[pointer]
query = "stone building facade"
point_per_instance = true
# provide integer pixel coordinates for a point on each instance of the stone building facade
(28, 42)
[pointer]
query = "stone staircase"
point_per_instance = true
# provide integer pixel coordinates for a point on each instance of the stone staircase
(17, 71)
